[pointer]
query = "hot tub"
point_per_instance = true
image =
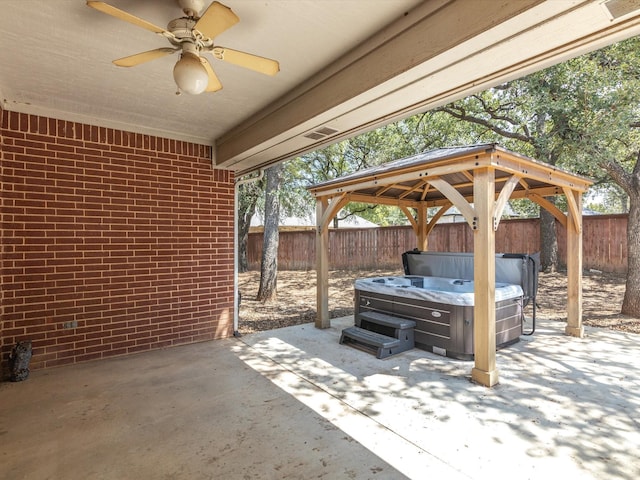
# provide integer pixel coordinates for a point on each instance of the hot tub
(442, 309)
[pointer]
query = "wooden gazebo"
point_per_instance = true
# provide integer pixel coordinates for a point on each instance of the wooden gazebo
(478, 180)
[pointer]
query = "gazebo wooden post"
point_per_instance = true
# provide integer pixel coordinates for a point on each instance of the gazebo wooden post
(574, 267)
(423, 234)
(322, 265)
(484, 267)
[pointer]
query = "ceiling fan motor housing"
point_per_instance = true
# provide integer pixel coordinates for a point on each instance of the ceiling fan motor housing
(181, 27)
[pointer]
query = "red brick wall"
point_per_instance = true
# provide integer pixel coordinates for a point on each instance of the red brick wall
(112, 242)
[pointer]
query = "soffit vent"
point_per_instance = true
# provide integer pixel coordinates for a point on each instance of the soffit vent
(320, 133)
(620, 8)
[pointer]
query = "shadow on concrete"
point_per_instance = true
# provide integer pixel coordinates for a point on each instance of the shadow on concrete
(564, 406)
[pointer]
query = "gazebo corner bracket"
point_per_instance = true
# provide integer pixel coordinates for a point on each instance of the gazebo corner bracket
(332, 209)
(573, 208)
(550, 207)
(503, 198)
(456, 198)
(410, 217)
(434, 220)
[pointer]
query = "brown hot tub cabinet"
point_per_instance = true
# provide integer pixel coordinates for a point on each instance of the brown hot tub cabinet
(441, 307)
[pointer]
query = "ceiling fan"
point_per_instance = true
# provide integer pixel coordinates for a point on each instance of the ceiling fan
(191, 35)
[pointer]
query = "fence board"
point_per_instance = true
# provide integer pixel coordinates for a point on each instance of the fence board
(604, 244)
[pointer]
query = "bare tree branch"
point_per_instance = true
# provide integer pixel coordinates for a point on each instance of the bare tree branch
(459, 113)
(620, 175)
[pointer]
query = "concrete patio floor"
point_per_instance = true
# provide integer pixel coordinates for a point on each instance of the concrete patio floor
(293, 403)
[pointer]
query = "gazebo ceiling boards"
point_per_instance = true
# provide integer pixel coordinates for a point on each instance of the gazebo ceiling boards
(478, 180)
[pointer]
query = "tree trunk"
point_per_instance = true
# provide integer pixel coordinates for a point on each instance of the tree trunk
(248, 196)
(631, 301)
(269, 267)
(245, 213)
(623, 198)
(548, 241)
(630, 183)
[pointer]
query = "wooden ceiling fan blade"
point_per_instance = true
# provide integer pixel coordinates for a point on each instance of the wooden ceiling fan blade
(144, 57)
(247, 60)
(127, 17)
(214, 84)
(215, 20)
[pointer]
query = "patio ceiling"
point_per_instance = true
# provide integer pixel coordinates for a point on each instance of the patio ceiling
(346, 66)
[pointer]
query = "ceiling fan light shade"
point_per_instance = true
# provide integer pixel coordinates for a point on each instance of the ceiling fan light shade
(189, 74)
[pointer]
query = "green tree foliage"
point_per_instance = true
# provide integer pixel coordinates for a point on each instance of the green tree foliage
(367, 150)
(582, 115)
(577, 115)
(607, 198)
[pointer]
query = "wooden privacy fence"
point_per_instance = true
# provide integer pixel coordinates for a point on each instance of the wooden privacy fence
(604, 244)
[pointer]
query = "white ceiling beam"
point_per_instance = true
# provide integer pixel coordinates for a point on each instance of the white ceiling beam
(424, 34)
(435, 57)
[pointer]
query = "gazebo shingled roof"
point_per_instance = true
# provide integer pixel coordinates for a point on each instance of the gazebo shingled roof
(406, 181)
(478, 180)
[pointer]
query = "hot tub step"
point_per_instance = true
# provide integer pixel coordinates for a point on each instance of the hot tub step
(387, 320)
(383, 345)
(385, 324)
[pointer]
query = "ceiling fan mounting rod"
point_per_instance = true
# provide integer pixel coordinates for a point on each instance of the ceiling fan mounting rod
(191, 8)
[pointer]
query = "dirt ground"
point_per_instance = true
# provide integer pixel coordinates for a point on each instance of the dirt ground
(296, 302)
